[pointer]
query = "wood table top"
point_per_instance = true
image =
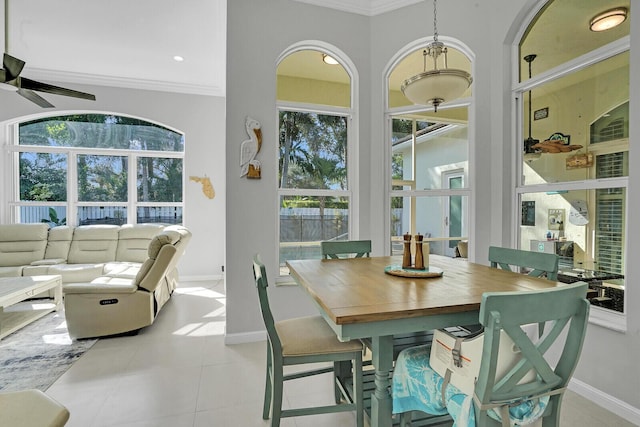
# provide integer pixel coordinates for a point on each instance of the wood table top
(358, 290)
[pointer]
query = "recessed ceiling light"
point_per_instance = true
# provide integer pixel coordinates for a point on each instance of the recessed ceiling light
(608, 19)
(329, 59)
(178, 58)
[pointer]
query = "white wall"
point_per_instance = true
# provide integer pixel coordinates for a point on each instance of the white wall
(201, 118)
(258, 31)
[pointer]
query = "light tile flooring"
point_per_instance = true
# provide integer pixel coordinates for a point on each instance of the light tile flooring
(179, 373)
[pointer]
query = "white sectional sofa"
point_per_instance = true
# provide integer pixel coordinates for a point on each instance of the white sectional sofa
(115, 278)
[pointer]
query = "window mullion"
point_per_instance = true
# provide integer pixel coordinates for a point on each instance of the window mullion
(72, 187)
(132, 192)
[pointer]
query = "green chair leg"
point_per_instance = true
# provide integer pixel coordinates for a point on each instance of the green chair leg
(268, 386)
(276, 406)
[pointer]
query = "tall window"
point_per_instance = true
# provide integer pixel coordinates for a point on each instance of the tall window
(314, 186)
(429, 164)
(574, 124)
(97, 169)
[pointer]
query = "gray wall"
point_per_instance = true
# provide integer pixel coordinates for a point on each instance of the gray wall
(259, 31)
(201, 118)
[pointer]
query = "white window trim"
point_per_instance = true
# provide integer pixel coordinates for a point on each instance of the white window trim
(609, 319)
(12, 147)
(353, 127)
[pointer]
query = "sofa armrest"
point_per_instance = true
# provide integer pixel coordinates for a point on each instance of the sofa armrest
(102, 285)
(52, 261)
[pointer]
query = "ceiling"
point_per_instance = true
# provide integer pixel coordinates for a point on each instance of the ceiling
(553, 43)
(128, 43)
(121, 43)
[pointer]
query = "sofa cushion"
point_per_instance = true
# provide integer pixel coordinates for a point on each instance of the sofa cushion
(35, 270)
(93, 244)
(21, 244)
(127, 270)
(133, 241)
(59, 242)
(13, 271)
(77, 272)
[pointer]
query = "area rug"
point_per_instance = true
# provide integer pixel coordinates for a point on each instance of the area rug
(38, 354)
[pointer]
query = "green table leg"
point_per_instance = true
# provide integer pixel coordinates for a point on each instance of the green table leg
(382, 354)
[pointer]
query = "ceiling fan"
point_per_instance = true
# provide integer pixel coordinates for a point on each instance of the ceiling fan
(10, 76)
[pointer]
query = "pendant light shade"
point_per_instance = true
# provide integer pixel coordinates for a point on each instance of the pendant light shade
(438, 85)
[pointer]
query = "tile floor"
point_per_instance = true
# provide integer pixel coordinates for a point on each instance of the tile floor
(179, 373)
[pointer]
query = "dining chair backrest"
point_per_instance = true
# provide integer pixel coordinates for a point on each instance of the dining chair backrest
(564, 308)
(538, 263)
(260, 275)
(335, 249)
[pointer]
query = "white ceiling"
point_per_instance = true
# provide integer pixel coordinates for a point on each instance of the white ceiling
(131, 43)
(122, 42)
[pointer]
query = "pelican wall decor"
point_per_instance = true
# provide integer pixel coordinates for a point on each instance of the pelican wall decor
(249, 166)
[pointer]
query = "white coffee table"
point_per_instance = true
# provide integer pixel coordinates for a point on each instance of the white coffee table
(17, 289)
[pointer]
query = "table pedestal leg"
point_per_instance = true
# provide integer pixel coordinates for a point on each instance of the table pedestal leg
(382, 358)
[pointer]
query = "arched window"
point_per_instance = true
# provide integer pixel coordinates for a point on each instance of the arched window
(428, 157)
(94, 168)
(316, 89)
(573, 138)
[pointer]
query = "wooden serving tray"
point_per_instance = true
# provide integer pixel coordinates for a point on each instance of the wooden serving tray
(397, 270)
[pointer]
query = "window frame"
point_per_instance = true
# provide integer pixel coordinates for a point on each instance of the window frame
(13, 201)
(353, 152)
(350, 193)
(601, 316)
(391, 112)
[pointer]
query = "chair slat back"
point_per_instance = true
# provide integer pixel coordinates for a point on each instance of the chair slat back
(335, 249)
(540, 263)
(260, 275)
(565, 308)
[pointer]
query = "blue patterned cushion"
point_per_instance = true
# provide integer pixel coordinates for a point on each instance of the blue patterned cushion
(417, 387)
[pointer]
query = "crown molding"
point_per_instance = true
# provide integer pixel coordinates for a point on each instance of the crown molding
(123, 82)
(362, 7)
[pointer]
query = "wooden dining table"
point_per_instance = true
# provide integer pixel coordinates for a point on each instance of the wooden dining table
(360, 301)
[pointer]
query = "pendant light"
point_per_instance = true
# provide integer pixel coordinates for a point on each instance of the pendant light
(438, 85)
(530, 153)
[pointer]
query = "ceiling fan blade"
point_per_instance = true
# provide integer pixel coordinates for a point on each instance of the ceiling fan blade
(12, 66)
(56, 90)
(34, 97)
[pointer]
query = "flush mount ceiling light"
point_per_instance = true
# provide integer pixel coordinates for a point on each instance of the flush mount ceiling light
(178, 58)
(329, 59)
(608, 19)
(438, 85)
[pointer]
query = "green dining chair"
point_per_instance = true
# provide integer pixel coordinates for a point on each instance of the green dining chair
(336, 249)
(536, 264)
(535, 375)
(305, 340)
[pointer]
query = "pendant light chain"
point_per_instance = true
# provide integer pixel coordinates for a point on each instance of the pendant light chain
(435, 22)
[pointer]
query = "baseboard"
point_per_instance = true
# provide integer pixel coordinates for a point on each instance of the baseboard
(608, 402)
(243, 338)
